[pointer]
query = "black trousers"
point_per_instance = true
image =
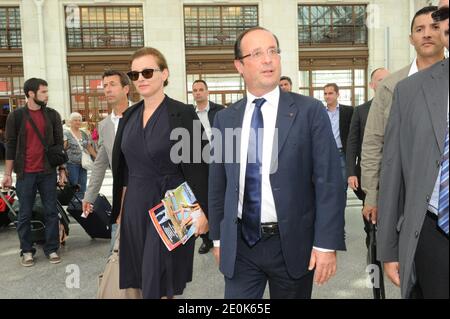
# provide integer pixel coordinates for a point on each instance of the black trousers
(431, 262)
(261, 264)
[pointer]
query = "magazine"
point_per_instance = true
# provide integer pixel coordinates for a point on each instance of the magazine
(169, 217)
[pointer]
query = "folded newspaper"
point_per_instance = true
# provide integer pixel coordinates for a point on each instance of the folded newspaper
(169, 217)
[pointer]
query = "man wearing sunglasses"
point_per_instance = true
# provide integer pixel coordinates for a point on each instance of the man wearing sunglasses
(413, 239)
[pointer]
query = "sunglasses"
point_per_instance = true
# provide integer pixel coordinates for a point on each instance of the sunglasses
(146, 73)
(440, 14)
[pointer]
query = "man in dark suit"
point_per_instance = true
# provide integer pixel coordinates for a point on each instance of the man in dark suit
(340, 117)
(414, 193)
(206, 111)
(355, 139)
(275, 213)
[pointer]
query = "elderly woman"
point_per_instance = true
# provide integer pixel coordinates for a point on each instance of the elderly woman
(75, 142)
(143, 171)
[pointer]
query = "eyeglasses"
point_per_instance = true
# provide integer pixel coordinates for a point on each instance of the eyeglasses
(259, 54)
(146, 73)
(440, 14)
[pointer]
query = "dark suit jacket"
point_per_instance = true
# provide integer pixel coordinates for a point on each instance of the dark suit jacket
(345, 118)
(412, 153)
(213, 109)
(354, 143)
(196, 174)
(306, 185)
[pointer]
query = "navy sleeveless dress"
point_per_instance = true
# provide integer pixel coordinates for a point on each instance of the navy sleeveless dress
(144, 260)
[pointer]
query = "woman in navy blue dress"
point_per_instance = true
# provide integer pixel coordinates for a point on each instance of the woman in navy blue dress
(143, 171)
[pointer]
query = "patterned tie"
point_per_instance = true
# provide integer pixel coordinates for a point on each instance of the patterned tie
(251, 211)
(443, 191)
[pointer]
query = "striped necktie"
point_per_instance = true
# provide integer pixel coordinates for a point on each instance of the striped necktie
(443, 191)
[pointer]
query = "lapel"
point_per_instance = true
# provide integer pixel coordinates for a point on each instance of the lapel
(435, 90)
(174, 114)
(109, 133)
(237, 119)
(287, 111)
(211, 113)
(117, 152)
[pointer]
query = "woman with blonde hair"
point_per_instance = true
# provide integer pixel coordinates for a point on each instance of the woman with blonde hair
(143, 171)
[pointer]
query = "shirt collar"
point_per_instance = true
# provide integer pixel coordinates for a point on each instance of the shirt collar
(205, 110)
(337, 108)
(115, 117)
(414, 68)
(273, 97)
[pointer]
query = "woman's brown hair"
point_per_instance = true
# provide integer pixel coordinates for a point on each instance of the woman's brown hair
(160, 59)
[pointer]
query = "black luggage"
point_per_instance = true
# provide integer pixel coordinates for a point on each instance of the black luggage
(378, 285)
(97, 224)
(65, 194)
(38, 220)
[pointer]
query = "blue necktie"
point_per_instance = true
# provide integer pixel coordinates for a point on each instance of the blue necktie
(251, 211)
(443, 191)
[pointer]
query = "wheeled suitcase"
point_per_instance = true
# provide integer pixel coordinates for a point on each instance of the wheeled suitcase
(97, 224)
(38, 219)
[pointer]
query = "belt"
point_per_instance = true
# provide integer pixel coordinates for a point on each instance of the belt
(267, 229)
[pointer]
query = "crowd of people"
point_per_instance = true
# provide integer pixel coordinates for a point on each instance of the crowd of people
(274, 213)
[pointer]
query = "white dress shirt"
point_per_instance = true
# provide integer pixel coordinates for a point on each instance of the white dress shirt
(269, 112)
(115, 119)
(203, 116)
(414, 68)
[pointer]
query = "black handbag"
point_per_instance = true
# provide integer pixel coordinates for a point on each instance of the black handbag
(56, 154)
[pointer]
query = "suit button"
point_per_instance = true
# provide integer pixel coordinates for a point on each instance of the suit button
(237, 190)
(236, 220)
(428, 198)
(438, 163)
(416, 234)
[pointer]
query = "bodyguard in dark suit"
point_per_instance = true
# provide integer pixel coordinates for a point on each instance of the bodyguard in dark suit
(413, 240)
(276, 210)
(340, 117)
(355, 139)
(206, 111)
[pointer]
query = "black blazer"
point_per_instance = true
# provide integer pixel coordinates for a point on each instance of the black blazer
(345, 118)
(354, 143)
(213, 109)
(196, 174)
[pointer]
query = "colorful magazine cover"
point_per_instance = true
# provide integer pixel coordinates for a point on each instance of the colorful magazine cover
(177, 206)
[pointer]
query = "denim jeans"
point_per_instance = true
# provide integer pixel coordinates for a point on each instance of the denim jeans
(26, 193)
(77, 176)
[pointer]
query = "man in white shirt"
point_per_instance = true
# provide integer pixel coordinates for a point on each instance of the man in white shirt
(206, 112)
(275, 214)
(116, 86)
